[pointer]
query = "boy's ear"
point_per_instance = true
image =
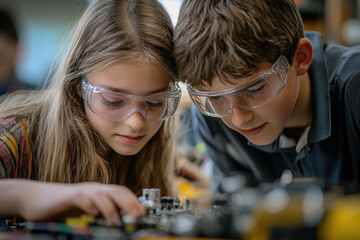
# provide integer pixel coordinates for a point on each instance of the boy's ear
(303, 55)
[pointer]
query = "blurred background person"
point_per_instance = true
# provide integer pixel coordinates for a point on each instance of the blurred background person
(9, 49)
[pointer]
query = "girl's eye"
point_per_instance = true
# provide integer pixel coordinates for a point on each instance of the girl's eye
(113, 102)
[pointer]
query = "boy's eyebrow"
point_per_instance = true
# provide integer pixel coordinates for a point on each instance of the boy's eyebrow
(257, 76)
(245, 84)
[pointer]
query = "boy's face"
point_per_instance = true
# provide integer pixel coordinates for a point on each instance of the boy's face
(128, 135)
(261, 125)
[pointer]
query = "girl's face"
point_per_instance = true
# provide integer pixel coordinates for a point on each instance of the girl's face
(127, 136)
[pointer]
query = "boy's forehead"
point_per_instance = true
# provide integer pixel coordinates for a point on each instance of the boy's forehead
(222, 83)
(218, 84)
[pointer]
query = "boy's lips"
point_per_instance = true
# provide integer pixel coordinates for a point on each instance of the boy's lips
(253, 131)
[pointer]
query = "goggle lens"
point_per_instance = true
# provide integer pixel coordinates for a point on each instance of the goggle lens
(257, 93)
(118, 106)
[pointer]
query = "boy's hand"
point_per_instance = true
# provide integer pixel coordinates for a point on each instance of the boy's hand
(191, 172)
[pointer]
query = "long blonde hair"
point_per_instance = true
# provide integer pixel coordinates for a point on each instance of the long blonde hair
(64, 145)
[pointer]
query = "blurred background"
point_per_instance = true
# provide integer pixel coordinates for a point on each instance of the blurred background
(44, 25)
(43, 28)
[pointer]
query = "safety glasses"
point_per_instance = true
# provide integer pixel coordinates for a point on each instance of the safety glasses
(251, 95)
(116, 106)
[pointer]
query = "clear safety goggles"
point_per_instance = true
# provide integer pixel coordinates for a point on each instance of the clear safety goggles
(117, 106)
(253, 94)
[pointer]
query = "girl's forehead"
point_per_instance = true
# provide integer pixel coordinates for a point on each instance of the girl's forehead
(137, 78)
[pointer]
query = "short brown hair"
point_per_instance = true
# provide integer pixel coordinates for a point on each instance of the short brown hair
(229, 38)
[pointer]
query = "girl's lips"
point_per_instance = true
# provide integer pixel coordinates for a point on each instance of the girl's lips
(131, 139)
(253, 131)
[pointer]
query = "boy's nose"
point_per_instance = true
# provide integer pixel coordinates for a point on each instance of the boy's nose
(240, 117)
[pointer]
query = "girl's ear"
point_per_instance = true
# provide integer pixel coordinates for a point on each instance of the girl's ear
(303, 55)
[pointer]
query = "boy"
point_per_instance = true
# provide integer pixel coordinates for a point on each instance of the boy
(275, 98)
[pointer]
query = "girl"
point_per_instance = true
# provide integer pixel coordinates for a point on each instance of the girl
(102, 128)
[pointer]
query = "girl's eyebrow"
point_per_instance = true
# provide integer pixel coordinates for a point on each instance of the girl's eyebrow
(119, 90)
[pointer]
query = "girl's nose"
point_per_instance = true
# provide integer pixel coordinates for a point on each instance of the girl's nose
(136, 120)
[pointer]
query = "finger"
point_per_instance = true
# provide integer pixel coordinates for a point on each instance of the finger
(87, 206)
(127, 202)
(107, 207)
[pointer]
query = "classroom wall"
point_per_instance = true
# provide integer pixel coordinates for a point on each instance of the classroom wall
(42, 27)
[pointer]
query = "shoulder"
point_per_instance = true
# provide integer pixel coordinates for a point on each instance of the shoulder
(343, 63)
(352, 96)
(13, 126)
(15, 152)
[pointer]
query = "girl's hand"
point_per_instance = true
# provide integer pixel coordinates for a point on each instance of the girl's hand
(39, 201)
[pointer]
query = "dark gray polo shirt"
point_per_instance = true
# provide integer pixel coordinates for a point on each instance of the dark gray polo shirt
(330, 148)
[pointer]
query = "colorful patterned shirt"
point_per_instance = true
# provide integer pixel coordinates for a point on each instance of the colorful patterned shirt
(15, 149)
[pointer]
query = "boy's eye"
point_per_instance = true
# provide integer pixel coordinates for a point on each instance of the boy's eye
(214, 98)
(216, 101)
(255, 90)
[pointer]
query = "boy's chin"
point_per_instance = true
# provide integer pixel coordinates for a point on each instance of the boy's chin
(261, 141)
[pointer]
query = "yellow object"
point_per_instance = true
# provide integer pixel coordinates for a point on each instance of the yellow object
(82, 221)
(186, 189)
(342, 220)
(130, 228)
(290, 216)
(87, 218)
(175, 238)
